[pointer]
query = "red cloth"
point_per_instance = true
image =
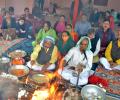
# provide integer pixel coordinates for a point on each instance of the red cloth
(0, 20)
(75, 13)
(112, 23)
(97, 80)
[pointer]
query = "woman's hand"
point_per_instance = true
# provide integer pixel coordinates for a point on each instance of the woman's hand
(79, 67)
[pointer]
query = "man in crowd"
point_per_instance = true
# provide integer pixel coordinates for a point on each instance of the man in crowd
(44, 55)
(82, 26)
(106, 35)
(112, 54)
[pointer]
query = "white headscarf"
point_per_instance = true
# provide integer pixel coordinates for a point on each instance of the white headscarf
(47, 38)
(81, 39)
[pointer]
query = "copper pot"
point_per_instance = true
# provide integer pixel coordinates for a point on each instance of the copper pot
(19, 70)
(18, 61)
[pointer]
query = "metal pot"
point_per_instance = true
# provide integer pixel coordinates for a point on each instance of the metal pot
(4, 60)
(4, 64)
(19, 70)
(92, 92)
(17, 54)
(39, 78)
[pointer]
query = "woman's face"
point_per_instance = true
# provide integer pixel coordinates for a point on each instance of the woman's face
(84, 45)
(62, 19)
(68, 28)
(65, 37)
(46, 28)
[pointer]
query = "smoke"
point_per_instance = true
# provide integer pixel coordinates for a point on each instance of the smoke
(8, 89)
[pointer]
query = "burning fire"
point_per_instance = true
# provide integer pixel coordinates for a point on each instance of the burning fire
(52, 92)
(40, 95)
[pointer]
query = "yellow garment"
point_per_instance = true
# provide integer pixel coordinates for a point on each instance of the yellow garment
(95, 59)
(37, 49)
(108, 52)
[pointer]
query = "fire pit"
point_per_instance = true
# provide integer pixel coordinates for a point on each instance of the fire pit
(51, 87)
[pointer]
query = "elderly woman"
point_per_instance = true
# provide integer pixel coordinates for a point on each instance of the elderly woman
(44, 55)
(65, 43)
(78, 61)
(45, 31)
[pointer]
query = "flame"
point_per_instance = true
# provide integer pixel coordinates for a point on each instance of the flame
(51, 92)
(50, 75)
(40, 95)
(52, 89)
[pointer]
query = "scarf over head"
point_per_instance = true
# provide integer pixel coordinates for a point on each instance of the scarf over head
(47, 38)
(81, 39)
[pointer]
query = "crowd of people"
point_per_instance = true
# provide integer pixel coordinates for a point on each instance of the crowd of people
(80, 50)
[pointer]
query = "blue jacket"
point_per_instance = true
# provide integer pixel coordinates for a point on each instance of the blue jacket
(111, 36)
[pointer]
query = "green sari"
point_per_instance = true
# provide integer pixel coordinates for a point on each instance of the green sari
(64, 48)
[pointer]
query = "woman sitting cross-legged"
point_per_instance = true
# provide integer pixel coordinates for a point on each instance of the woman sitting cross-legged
(47, 30)
(77, 63)
(44, 55)
(65, 43)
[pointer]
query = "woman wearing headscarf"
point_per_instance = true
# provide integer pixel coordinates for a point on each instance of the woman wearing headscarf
(45, 31)
(78, 61)
(44, 55)
(65, 43)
